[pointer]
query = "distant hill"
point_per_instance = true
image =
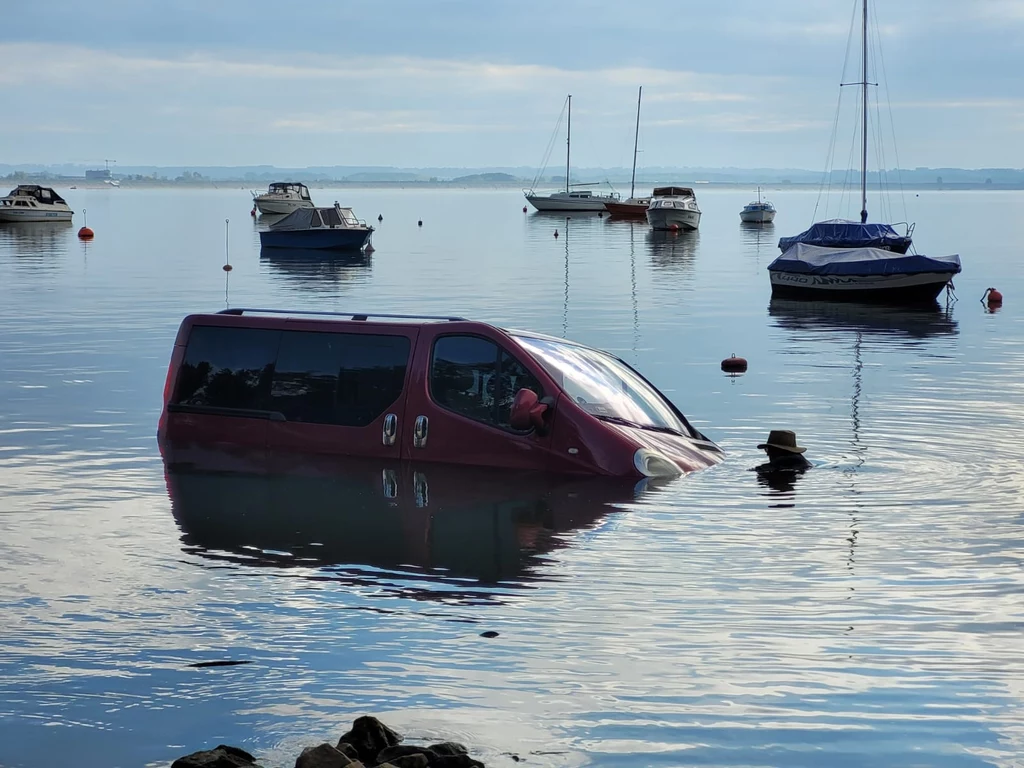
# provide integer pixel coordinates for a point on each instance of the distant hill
(485, 178)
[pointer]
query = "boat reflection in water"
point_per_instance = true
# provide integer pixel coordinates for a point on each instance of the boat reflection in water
(435, 524)
(673, 250)
(912, 323)
(36, 239)
(314, 267)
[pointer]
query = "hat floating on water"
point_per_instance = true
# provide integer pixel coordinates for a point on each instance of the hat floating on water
(784, 440)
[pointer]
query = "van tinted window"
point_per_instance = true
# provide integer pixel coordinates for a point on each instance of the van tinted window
(477, 379)
(338, 378)
(227, 367)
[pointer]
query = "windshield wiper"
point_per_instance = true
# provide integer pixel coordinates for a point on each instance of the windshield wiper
(635, 425)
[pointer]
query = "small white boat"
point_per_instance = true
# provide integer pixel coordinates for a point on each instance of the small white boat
(758, 211)
(569, 199)
(283, 197)
(673, 208)
(30, 202)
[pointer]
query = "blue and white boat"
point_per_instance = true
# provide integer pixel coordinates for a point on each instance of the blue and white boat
(842, 233)
(758, 211)
(335, 229)
(860, 274)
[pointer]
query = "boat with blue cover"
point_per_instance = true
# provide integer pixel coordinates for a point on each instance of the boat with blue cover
(335, 229)
(860, 274)
(841, 233)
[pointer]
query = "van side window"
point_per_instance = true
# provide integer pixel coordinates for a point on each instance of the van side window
(227, 367)
(475, 378)
(347, 379)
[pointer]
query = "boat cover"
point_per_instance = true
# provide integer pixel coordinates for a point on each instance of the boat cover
(842, 233)
(312, 218)
(813, 260)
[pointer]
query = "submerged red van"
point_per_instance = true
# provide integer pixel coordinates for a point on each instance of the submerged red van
(441, 389)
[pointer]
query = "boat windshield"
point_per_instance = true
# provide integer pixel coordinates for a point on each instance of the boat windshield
(604, 386)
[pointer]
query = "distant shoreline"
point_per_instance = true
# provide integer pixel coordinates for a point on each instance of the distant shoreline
(247, 185)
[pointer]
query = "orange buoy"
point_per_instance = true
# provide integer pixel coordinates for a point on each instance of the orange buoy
(733, 364)
(992, 297)
(86, 234)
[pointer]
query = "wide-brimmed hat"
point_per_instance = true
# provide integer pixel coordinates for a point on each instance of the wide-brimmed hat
(784, 440)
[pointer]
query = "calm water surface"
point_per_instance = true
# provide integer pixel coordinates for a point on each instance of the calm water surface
(868, 613)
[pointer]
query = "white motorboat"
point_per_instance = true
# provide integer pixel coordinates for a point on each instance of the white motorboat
(30, 202)
(758, 211)
(673, 208)
(283, 197)
(570, 199)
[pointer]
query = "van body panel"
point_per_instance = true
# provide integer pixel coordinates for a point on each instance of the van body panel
(457, 437)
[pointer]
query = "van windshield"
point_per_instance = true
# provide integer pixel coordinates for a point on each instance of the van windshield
(605, 386)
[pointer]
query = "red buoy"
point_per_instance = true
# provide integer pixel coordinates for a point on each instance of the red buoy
(524, 209)
(674, 227)
(253, 212)
(86, 234)
(993, 297)
(227, 267)
(733, 364)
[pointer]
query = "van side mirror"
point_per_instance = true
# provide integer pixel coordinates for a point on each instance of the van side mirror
(527, 411)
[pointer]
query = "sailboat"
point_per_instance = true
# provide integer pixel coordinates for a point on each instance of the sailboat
(634, 207)
(570, 199)
(840, 260)
(842, 233)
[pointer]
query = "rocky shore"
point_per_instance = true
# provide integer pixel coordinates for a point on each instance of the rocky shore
(368, 744)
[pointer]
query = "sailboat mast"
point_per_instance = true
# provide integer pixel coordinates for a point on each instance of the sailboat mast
(636, 139)
(568, 138)
(864, 125)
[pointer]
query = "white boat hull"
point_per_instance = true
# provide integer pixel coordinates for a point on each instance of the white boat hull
(757, 217)
(281, 206)
(11, 215)
(554, 203)
(673, 218)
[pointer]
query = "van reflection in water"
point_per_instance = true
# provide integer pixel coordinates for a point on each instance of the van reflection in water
(440, 522)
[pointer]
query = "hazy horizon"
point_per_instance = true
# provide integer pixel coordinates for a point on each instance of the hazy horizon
(462, 84)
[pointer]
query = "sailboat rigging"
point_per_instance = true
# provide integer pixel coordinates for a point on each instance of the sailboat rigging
(843, 233)
(571, 199)
(842, 260)
(634, 207)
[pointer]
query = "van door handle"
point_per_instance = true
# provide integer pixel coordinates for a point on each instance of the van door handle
(419, 432)
(390, 430)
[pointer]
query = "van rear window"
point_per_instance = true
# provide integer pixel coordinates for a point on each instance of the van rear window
(348, 379)
(227, 367)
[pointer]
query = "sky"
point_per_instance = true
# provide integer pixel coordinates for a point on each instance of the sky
(476, 83)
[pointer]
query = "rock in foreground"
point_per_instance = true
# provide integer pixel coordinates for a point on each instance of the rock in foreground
(366, 744)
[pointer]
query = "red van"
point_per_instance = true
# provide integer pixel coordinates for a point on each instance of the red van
(441, 389)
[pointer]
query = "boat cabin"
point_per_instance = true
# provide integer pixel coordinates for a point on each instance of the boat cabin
(425, 389)
(32, 196)
(289, 189)
(673, 192)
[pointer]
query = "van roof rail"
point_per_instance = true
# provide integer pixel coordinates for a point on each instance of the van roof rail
(350, 315)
